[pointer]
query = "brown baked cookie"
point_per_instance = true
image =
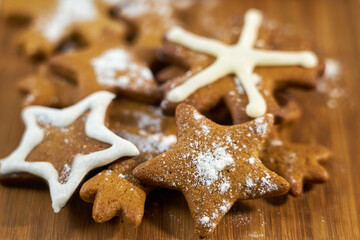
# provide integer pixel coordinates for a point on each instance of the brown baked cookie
(297, 163)
(71, 76)
(268, 80)
(213, 166)
(115, 191)
(59, 21)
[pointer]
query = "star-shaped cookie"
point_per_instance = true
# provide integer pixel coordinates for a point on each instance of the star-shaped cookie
(63, 145)
(214, 166)
(297, 163)
(63, 20)
(71, 76)
(116, 191)
(267, 79)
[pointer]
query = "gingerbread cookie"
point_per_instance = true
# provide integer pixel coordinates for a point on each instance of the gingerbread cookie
(214, 166)
(297, 163)
(63, 145)
(74, 75)
(116, 191)
(62, 20)
(212, 81)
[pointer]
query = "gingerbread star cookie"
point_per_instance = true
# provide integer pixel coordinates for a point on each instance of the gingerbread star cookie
(63, 145)
(297, 163)
(116, 191)
(250, 91)
(66, 19)
(214, 166)
(74, 75)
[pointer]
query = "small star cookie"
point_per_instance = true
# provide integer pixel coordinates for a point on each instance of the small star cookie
(74, 75)
(63, 145)
(297, 163)
(116, 191)
(214, 166)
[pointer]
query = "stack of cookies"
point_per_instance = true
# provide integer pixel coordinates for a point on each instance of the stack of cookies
(188, 95)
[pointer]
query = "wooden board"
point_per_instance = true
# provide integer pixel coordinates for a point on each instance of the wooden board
(327, 211)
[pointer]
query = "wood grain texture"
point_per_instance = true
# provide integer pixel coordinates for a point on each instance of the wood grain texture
(327, 211)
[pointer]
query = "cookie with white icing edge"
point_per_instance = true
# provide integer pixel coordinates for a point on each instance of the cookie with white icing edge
(44, 123)
(214, 166)
(239, 59)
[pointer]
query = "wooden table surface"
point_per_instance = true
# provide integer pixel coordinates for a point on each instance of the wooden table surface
(327, 211)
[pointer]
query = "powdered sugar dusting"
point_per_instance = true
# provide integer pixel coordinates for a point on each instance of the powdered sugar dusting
(118, 61)
(261, 126)
(204, 220)
(259, 186)
(147, 142)
(224, 187)
(67, 12)
(210, 164)
(197, 116)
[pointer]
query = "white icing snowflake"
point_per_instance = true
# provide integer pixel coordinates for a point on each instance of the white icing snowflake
(239, 59)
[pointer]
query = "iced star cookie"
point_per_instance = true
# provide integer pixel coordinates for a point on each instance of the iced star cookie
(55, 22)
(63, 145)
(214, 166)
(115, 191)
(71, 76)
(266, 70)
(297, 163)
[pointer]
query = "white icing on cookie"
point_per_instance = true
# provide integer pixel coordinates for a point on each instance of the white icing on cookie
(96, 104)
(66, 13)
(239, 59)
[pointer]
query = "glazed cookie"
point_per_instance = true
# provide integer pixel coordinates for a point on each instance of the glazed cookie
(297, 163)
(116, 191)
(210, 79)
(214, 166)
(62, 20)
(63, 145)
(74, 75)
